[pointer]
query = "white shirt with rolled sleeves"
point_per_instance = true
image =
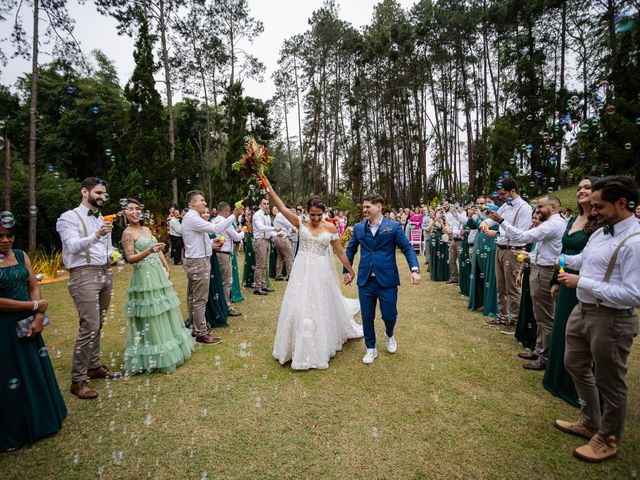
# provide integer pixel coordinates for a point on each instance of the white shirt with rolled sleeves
(262, 227)
(75, 243)
(622, 291)
(230, 235)
(548, 237)
(457, 222)
(518, 208)
(284, 224)
(195, 234)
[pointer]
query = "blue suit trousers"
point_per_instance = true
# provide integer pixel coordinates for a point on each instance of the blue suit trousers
(369, 294)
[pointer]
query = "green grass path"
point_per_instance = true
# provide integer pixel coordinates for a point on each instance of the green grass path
(454, 402)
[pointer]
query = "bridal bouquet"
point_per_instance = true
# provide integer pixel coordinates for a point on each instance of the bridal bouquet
(254, 162)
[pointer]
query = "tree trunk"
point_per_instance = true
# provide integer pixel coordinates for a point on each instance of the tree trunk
(33, 115)
(167, 81)
(7, 174)
(291, 166)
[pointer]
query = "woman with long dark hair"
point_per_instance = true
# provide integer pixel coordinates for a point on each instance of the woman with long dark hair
(579, 229)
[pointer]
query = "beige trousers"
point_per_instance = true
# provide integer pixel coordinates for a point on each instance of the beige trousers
(507, 268)
(261, 249)
(603, 336)
(226, 271)
(90, 288)
(285, 255)
(544, 306)
(198, 271)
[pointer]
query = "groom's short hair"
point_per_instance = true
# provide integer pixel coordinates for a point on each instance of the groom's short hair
(374, 198)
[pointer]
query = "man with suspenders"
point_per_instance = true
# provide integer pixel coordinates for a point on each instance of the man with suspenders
(87, 253)
(602, 326)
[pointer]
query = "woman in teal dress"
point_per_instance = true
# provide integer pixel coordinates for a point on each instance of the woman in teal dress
(249, 254)
(556, 379)
(526, 328)
(464, 262)
(31, 405)
(156, 336)
(216, 312)
(236, 288)
(439, 260)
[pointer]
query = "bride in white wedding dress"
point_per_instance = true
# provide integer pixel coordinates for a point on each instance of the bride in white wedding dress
(315, 319)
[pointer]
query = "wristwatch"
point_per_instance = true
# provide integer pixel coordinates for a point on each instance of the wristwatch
(415, 270)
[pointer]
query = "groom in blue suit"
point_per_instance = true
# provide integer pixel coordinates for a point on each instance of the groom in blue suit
(378, 277)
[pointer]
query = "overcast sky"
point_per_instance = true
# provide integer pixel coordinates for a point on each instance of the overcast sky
(282, 19)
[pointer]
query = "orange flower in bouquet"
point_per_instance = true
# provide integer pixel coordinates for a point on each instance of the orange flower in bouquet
(255, 162)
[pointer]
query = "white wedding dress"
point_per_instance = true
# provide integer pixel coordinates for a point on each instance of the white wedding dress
(315, 319)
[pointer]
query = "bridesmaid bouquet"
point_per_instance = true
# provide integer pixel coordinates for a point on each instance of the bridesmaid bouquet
(255, 162)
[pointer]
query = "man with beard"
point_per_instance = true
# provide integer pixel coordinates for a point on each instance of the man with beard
(263, 231)
(548, 239)
(87, 253)
(602, 325)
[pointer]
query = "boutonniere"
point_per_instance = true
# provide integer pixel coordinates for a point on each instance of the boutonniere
(386, 230)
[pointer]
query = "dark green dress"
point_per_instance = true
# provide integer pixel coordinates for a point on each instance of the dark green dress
(31, 405)
(439, 260)
(483, 291)
(526, 328)
(236, 288)
(217, 311)
(249, 262)
(556, 379)
(464, 264)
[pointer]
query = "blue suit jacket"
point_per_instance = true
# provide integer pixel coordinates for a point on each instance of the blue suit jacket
(378, 254)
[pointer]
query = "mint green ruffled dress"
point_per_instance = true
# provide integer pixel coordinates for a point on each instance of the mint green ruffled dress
(156, 336)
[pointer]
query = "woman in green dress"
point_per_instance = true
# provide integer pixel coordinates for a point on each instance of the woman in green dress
(556, 379)
(526, 328)
(31, 405)
(439, 260)
(464, 261)
(249, 254)
(156, 336)
(483, 292)
(236, 288)
(216, 312)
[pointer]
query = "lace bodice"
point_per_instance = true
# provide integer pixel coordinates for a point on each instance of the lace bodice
(142, 244)
(320, 245)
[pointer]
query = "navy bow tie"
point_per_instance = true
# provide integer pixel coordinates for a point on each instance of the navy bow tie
(608, 230)
(93, 214)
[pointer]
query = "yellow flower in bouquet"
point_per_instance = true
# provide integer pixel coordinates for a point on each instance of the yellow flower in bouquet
(255, 161)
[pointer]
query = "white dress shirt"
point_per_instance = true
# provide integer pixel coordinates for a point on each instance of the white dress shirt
(75, 244)
(195, 233)
(473, 232)
(456, 221)
(623, 289)
(284, 224)
(175, 227)
(262, 227)
(518, 208)
(548, 236)
(230, 235)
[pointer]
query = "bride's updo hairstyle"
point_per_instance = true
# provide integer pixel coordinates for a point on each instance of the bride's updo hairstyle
(316, 202)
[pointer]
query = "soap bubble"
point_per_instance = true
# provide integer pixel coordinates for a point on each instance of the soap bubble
(70, 90)
(7, 220)
(147, 183)
(575, 99)
(611, 109)
(627, 146)
(13, 384)
(33, 210)
(188, 181)
(112, 158)
(638, 121)
(529, 117)
(532, 184)
(107, 152)
(623, 23)
(123, 202)
(43, 352)
(631, 205)
(94, 109)
(512, 160)
(584, 128)
(106, 197)
(552, 180)
(56, 174)
(583, 155)
(550, 189)
(50, 167)
(606, 166)
(553, 160)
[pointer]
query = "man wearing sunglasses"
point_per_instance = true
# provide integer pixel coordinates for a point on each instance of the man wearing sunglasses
(87, 253)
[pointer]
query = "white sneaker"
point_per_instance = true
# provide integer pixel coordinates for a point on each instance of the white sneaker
(370, 356)
(392, 345)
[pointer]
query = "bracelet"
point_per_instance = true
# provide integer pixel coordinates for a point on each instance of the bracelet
(36, 304)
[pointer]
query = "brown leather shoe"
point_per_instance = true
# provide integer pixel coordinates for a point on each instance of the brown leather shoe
(575, 428)
(83, 391)
(509, 329)
(102, 372)
(528, 356)
(232, 312)
(598, 449)
(208, 339)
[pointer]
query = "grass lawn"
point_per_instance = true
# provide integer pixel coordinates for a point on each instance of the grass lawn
(454, 402)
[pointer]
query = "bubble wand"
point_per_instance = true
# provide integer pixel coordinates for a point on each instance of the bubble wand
(562, 262)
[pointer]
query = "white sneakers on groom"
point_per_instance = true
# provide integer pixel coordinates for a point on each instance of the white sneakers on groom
(372, 353)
